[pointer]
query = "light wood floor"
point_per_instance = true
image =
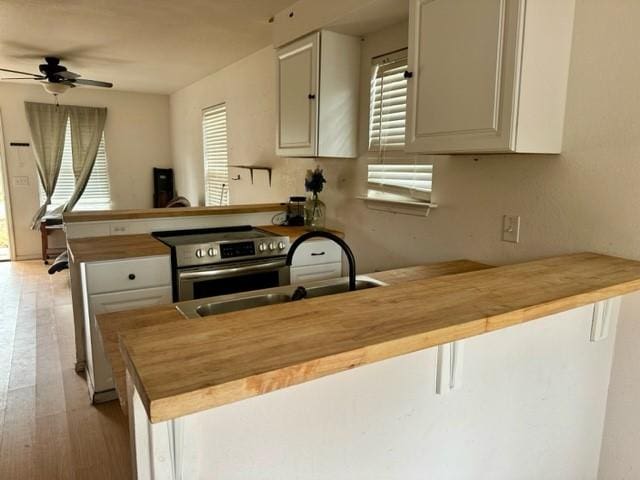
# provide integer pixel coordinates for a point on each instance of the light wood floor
(48, 428)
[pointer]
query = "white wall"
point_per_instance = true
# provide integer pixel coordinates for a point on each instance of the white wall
(619, 457)
(248, 88)
(137, 138)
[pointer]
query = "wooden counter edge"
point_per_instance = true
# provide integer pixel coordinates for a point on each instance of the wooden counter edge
(169, 408)
(135, 214)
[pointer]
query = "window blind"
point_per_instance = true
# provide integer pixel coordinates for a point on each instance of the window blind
(216, 160)
(412, 180)
(388, 111)
(97, 194)
(392, 172)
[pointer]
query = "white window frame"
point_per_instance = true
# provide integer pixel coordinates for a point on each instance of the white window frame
(97, 194)
(215, 154)
(396, 181)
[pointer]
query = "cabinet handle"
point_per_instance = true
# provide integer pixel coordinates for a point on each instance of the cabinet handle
(408, 74)
(313, 254)
(312, 96)
(132, 276)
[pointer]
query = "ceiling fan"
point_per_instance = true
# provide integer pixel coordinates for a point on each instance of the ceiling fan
(55, 78)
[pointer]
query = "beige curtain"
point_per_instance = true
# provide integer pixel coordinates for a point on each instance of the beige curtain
(87, 126)
(47, 124)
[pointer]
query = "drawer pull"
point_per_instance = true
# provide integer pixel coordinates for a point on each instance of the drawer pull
(314, 254)
(132, 276)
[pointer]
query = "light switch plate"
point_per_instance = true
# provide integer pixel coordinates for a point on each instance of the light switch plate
(511, 228)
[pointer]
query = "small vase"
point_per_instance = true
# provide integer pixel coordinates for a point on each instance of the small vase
(314, 212)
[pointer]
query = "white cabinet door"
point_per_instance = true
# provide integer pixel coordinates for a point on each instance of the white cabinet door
(129, 274)
(315, 273)
(298, 72)
(488, 75)
(316, 251)
(462, 58)
(99, 368)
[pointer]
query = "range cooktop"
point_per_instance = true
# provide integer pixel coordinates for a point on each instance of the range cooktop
(216, 245)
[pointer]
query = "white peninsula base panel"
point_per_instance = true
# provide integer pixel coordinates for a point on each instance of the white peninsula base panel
(528, 402)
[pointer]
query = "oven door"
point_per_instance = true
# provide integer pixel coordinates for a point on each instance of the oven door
(210, 281)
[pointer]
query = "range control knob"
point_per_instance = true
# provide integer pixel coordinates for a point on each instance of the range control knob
(262, 247)
(199, 253)
(212, 252)
(281, 245)
(272, 246)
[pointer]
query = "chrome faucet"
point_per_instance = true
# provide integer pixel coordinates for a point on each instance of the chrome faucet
(323, 234)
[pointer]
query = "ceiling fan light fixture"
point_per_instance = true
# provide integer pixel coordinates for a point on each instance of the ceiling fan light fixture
(55, 88)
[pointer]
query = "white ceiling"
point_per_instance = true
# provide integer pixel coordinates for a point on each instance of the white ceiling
(371, 17)
(155, 46)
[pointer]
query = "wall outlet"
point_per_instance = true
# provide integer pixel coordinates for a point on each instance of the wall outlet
(21, 181)
(511, 229)
(119, 229)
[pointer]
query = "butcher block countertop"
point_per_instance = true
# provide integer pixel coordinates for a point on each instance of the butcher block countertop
(113, 324)
(179, 370)
(108, 215)
(115, 247)
(293, 232)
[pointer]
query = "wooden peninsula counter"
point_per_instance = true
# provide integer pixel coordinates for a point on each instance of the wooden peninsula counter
(372, 384)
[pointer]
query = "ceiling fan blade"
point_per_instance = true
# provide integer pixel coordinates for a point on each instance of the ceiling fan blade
(19, 72)
(68, 75)
(23, 78)
(92, 83)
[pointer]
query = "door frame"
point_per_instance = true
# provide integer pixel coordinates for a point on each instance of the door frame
(7, 193)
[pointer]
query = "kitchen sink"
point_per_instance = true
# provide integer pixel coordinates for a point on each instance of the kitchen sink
(214, 308)
(259, 298)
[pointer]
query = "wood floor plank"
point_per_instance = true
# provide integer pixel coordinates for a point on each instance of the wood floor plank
(16, 454)
(48, 428)
(53, 462)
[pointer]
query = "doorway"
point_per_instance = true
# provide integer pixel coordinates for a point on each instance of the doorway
(5, 206)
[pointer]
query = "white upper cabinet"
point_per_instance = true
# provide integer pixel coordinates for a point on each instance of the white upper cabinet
(488, 75)
(298, 76)
(318, 78)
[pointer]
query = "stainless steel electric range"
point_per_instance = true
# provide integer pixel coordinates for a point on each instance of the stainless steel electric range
(220, 261)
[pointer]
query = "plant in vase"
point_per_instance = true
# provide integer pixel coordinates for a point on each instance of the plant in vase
(314, 208)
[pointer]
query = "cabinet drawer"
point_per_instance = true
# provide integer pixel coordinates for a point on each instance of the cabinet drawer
(315, 273)
(131, 274)
(316, 252)
(100, 372)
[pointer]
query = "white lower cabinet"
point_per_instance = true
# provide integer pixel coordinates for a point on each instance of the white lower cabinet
(316, 260)
(315, 273)
(113, 286)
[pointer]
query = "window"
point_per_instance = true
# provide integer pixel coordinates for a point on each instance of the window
(388, 110)
(393, 175)
(96, 195)
(216, 160)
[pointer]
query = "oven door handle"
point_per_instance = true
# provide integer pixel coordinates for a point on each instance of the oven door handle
(232, 271)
